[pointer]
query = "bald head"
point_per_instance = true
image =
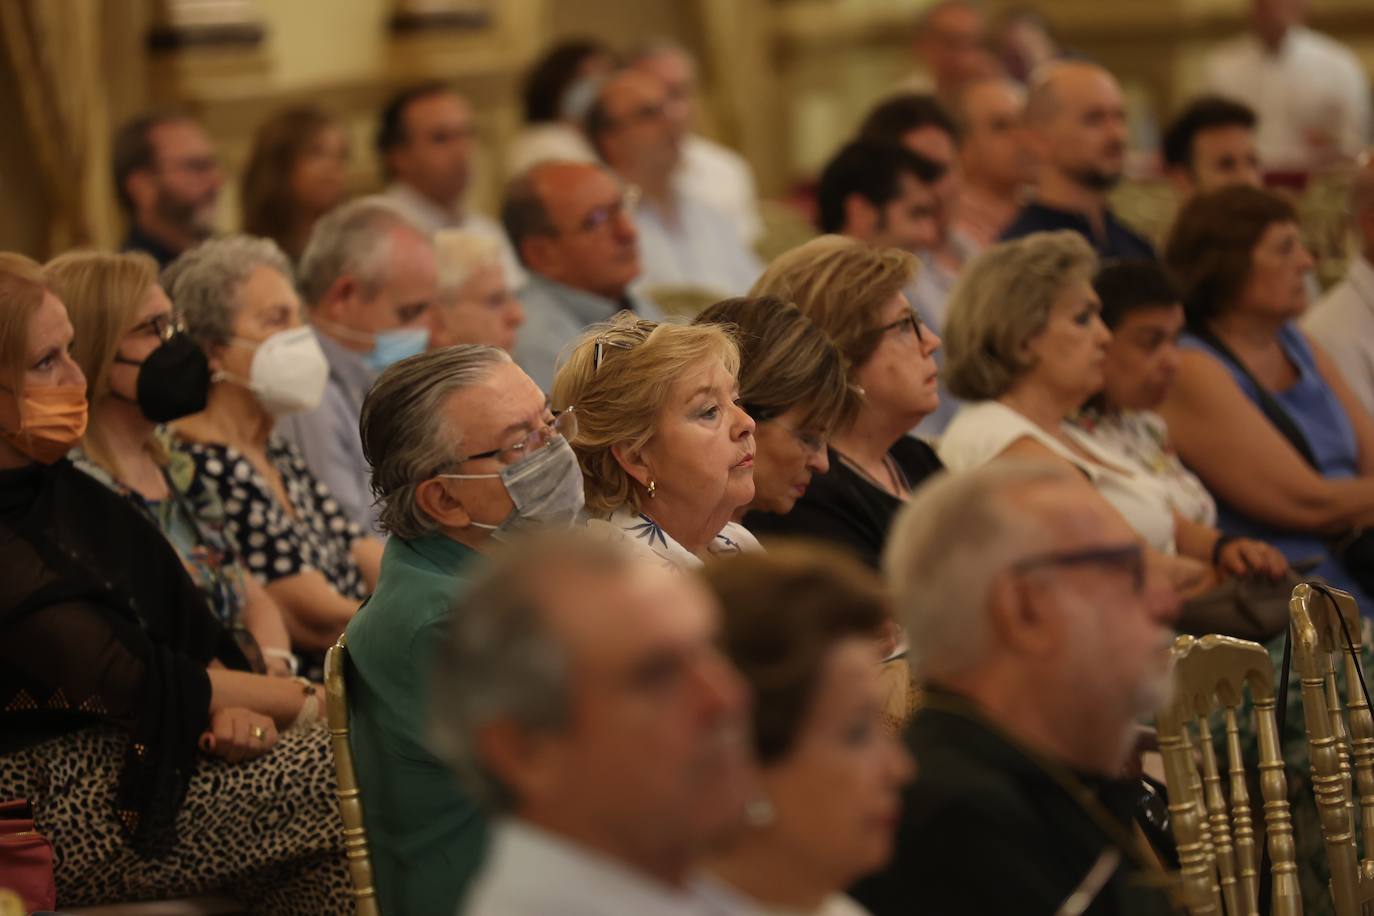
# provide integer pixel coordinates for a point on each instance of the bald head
(567, 221)
(1077, 119)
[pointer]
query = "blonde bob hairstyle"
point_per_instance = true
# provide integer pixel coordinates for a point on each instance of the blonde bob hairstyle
(841, 284)
(1002, 300)
(103, 294)
(619, 375)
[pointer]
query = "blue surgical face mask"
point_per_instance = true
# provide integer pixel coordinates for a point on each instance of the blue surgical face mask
(393, 346)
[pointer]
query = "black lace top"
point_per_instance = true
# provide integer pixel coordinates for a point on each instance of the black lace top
(99, 622)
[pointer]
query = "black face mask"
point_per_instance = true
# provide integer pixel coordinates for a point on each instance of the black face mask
(174, 381)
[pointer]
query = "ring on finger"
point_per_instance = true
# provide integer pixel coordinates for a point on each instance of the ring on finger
(258, 732)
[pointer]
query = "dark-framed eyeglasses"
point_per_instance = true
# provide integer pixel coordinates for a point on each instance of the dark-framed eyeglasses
(621, 338)
(814, 442)
(563, 425)
(909, 324)
(161, 326)
(1129, 558)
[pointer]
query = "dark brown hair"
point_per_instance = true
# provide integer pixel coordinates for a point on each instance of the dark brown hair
(785, 361)
(278, 143)
(1211, 245)
(784, 612)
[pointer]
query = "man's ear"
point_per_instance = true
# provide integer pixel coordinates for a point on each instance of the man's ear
(541, 254)
(141, 186)
(527, 763)
(437, 500)
(1181, 177)
(338, 300)
(860, 217)
(1020, 616)
(634, 462)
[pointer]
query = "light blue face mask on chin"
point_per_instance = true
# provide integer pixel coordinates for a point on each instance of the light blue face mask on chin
(393, 346)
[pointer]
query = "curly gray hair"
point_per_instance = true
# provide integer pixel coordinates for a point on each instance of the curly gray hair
(204, 283)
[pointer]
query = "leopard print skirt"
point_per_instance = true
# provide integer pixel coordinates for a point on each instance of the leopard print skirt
(265, 833)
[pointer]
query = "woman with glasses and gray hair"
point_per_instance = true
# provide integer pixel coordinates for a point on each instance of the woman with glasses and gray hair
(853, 293)
(666, 449)
(474, 303)
(1027, 350)
(235, 299)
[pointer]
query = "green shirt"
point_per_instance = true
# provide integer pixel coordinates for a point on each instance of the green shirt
(426, 838)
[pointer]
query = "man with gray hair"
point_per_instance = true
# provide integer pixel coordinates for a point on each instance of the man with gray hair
(368, 278)
(1041, 639)
(463, 449)
(1343, 322)
(584, 695)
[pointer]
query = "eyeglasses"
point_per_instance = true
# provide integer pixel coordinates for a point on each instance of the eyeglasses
(621, 338)
(1128, 557)
(603, 216)
(813, 442)
(563, 424)
(908, 324)
(162, 326)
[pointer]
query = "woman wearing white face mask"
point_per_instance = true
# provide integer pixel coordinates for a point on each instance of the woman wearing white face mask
(234, 296)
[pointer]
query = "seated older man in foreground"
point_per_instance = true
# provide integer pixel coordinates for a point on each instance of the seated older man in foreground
(463, 450)
(1034, 688)
(584, 695)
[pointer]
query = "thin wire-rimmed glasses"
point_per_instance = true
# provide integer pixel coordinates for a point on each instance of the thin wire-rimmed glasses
(813, 442)
(621, 338)
(564, 424)
(599, 218)
(1127, 557)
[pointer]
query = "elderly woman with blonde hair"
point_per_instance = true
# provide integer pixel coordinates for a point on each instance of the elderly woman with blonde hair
(666, 449)
(853, 292)
(1027, 349)
(475, 304)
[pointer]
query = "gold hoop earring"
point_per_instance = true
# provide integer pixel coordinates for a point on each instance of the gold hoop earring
(652, 487)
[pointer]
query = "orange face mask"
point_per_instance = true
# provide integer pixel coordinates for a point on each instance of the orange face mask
(51, 423)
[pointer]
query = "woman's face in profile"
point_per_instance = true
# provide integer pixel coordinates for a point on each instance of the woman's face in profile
(319, 176)
(701, 455)
(482, 311)
(836, 796)
(789, 454)
(1279, 265)
(900, 376)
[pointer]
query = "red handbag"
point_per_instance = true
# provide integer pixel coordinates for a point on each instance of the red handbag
(26, 859)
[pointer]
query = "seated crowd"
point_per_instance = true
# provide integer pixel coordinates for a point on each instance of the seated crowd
(820, 600)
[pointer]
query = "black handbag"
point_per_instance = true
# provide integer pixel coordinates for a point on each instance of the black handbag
(1354, 549)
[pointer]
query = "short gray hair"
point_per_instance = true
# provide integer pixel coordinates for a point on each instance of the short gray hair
(499, 662)
(406, 435)
(353, 239)
(460, 253)
(947, 546)
(204, 282)
(1003, 299)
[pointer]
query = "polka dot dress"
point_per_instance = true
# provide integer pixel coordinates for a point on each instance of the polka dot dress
(273, 544)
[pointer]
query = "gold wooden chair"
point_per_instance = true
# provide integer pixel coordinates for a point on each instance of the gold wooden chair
(1340, 741)
(1218, 854)
(350, 796)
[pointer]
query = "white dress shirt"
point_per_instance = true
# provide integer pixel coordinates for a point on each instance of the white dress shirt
(1313, 84)
(700, 248)
(531, 872)
(431, 217)
(722, 178)
(1343, 323)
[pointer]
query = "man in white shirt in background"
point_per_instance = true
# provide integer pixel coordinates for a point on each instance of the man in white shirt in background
(582, 695)
(684, 240)
(425, 141)
(1343, 322)
(712, 172)
(1309, 91)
